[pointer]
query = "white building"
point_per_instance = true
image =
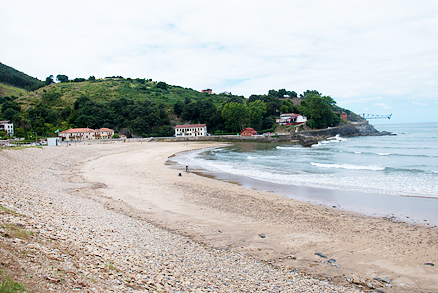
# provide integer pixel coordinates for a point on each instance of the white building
(53, 141)
(292, 119)
(191, 130)
(8, 127)
(85, 133)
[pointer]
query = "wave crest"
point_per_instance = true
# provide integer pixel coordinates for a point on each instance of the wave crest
(348, 166)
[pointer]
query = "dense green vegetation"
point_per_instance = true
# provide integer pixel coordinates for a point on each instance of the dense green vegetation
(142, 107)
(14, 77)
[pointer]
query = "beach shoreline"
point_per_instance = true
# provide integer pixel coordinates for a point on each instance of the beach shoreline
(294, 230)
(405, 208)
(132, 179)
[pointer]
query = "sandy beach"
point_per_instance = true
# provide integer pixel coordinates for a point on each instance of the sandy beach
(118, 206)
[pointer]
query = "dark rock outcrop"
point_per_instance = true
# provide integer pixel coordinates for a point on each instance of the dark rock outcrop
(306, 140)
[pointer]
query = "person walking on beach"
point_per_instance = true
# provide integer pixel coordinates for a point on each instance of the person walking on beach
(187, 169)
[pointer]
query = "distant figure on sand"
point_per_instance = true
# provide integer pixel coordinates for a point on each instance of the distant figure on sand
(187, 168)
(179, 174)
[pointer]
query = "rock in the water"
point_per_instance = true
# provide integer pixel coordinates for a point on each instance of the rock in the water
(307, 141)
(320, 254)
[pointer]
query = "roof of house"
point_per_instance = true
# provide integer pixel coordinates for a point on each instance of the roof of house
(105, 129)
(291, 114)
(249, 129)
(190, 125)
(75, 130)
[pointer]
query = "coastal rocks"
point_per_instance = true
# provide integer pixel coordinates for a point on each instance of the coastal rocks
(306, 140)
(429, 264)
(349, 130)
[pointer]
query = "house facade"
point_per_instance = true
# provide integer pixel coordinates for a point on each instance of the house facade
(343, 116)
(8, 127)
(248, 132)
(292, 119)
(85, 133)
(191, 130)
(208, 91)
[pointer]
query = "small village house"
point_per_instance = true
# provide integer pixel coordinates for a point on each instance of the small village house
(292, 119)
(73, 134)
(191, 130)
(248, 132)
(8, 127)
(343, 116)
(208, 91)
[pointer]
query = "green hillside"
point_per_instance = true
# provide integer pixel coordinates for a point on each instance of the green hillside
(142, 107)
(7, 90)
(59, 95)
(17, 78)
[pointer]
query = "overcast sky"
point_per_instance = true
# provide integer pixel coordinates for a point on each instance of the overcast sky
(377, 57)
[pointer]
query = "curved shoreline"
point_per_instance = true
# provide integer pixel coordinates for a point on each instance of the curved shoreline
(199, 207)
(95, 205)
(405, 208)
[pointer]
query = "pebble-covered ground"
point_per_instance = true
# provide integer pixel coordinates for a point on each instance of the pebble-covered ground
(54, 239)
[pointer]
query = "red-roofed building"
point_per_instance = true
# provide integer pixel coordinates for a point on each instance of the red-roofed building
(248, 132)
(85, 133)
(292, 119)
(191, 130)
(208, 91)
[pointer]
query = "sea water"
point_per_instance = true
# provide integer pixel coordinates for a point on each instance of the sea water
(383, 175)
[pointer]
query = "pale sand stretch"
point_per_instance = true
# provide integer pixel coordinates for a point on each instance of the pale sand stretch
(224, 215)
(131, 179)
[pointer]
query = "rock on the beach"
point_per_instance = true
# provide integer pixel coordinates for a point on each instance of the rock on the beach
(429, 264)
(320, 254)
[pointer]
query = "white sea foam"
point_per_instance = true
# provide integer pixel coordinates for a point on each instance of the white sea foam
(383, 154)
(357, 152)
(348, 166)
(251, 158)
(286, 148)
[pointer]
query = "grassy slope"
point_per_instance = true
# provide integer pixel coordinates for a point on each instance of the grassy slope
(9, 90)
(108, 89)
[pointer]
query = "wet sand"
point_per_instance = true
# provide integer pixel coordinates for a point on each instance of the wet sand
(411, 209)
(235, 218)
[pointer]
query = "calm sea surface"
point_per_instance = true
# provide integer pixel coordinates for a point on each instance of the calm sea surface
(380, 175)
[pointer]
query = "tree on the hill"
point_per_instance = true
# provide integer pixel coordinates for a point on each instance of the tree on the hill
(62, 78)
(319, 111)
(234, 115)
(162, 85)
(256, 111)
(49, 80)
(310, 92)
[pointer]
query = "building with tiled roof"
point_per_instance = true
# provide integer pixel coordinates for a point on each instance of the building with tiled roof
(85, 133)
(292, 119)
(191, 130)
(248, 132)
